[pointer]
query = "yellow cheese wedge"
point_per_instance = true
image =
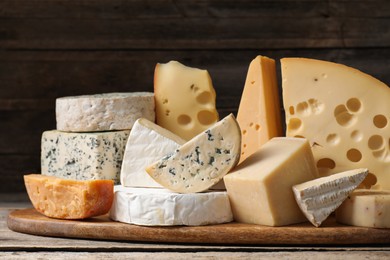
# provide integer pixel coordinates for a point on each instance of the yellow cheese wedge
(69, 199)
(259, 111)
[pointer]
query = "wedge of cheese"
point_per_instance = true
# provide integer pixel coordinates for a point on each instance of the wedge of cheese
(185, 99)
(260, 188)
(161, 207)
(320, 197)
(343, 112)
(69, 199)
(259, 111)
(366, 208)
(201, 162)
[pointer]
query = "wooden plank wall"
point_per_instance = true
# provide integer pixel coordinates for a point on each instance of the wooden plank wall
(54, 48)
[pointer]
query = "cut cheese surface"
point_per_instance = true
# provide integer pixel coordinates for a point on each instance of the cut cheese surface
(259, 111)
(343, 112)
(185, 99)
(201, 162)
(161, 207)
(320, 197)
(69, 199)
(146, 144)
(103, 112)
(260, 188)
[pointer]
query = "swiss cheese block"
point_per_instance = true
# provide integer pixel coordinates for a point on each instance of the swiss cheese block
(201, 162)
(343, 112)
(259, 111)
(103, 112)
(366, 208)
(69, 199)
(320, 197)
(185, 99)
(146, 144)
(83, 156)
(260, 188)
(160, 207)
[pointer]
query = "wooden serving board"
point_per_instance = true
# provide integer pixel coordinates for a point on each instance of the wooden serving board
(330, 233)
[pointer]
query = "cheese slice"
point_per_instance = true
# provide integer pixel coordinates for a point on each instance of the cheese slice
(259, 111)
(320, 197)
(146, 144)
(260, 188)
(201, 162)
(366, 208)
(69, 199)
(185, 99)
(103, 112)
(160, 207)
(343, 112)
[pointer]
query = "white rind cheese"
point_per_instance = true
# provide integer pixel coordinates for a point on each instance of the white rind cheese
(320, 197)
(103, 112)
(201, 162)
(147, 143)
(160, 207)
(83, 156)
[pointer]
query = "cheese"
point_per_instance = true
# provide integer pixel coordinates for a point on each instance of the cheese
(69, 199)
(343, 112)
(201, 162)
(83, 156)
(160, 207)
(259, 111)
(103, 112)
(260, 188)
(320, 197)
(146, 144)
(185, 99)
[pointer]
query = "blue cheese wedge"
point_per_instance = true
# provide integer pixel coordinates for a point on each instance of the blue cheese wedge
(320, 197)
(83, 156)
(201, 162)
(161, 207)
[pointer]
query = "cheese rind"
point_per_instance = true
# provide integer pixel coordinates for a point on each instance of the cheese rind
(201, 162)
(103, 112)
(69, 199)
(320, 197)
(83, 156)
(160, 207)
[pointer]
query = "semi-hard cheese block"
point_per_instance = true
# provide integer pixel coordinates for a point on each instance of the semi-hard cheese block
(201, 162)
(83, 156)
(69, 199)
(343, 112)
(366, 208)
(161, 207)
(320, 197)
(259, 111)
(147, 143)
(103, 112)
(260, 188)
(185, 99)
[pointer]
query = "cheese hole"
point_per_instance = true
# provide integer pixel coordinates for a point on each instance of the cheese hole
(206, 117)
(353, 104)
(244, 132)
(369, 181)
(299, 136)
(380, 121)
(343, 117)
(376, 142)
(165, 101)
(167, 112)
(326, 163)
(244, 145)
(194, 88)
(354, 155)
(184, 120)
(204, 97)
(303, 108)
(291, 110)
(294, 124)
(380, 154)
(356, 135)
(257, 127)
(316, 107)
(333, 139)
(251, 124)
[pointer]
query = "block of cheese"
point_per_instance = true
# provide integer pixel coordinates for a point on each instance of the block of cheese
(259, 111)
(366, 208)
(185, 99)
(69, 199)
(260, 188)
(83, 156)
(201, 162)
(146, 144)
(160, 207)
(320, 197)
(103, 112)
(343, 112)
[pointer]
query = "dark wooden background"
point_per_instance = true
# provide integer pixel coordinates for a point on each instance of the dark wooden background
(54, 48)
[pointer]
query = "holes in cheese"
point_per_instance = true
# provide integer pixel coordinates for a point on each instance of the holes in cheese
(380, 121)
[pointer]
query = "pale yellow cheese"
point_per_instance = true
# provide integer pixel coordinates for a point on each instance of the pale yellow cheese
(259, 111)
(260, 188)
